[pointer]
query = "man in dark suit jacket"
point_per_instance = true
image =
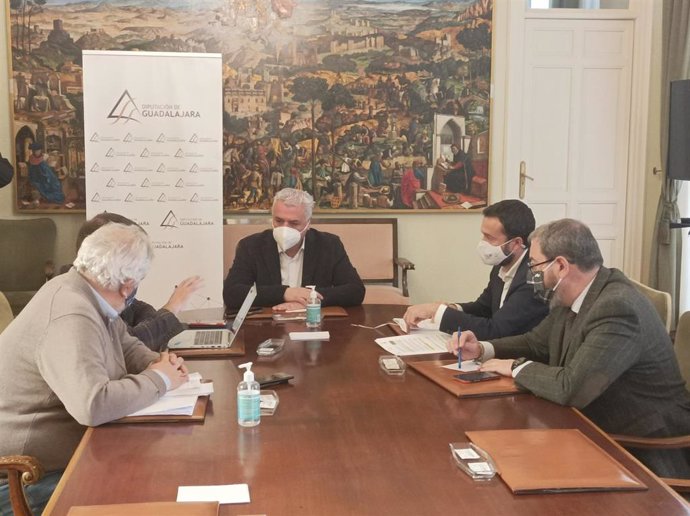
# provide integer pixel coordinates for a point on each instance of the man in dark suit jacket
(153, 327)
(603, 348)
(507, 306)
(284, 261)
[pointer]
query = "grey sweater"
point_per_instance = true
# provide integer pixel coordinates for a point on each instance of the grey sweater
(63, 366)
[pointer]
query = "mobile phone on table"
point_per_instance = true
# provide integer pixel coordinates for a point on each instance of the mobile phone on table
(476, 376)
(273, 379)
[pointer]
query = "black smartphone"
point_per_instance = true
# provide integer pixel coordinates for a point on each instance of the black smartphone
(273, 379)
(476, 376)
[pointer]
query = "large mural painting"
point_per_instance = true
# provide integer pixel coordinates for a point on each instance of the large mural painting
(369, 105)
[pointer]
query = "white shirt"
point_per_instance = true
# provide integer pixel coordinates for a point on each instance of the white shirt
(291, 267)
(506, 276)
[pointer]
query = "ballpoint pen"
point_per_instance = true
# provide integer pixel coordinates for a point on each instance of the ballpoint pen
(459, 350)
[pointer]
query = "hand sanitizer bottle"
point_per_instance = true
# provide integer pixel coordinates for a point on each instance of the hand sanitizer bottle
(313, 309)
(248, 399)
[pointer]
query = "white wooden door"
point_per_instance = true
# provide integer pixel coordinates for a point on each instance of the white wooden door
(569, 124)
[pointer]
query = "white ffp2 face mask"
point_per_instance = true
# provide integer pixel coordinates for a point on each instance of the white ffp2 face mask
(492, 254)
(286, 237)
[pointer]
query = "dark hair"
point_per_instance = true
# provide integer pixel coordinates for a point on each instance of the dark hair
(570, 239)
(515, 216)
(99, 220)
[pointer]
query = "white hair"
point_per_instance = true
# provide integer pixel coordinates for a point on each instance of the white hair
(115, 253)
(293, 197)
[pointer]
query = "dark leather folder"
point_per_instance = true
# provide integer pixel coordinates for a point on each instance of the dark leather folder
(553, 461)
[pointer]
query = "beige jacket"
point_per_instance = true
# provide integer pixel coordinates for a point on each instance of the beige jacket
(63, 366)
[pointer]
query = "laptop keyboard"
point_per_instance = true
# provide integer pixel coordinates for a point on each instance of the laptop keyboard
(207, 339)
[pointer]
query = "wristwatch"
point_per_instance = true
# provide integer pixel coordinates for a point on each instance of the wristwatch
(517, 363)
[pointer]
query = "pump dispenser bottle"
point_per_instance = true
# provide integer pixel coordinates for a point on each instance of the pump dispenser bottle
(313, 309)
(248, 399)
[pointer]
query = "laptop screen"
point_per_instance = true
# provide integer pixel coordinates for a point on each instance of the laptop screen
(244, 309)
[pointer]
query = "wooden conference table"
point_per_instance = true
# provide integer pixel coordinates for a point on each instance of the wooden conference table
(345, 439)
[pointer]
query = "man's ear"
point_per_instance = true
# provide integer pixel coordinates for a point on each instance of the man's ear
(563, 264)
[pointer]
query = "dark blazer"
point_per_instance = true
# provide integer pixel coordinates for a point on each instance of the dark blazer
(153, 327)
(520, 312)
(616, 364)
(325, 265)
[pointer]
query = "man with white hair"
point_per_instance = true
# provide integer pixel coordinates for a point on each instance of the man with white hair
(283, 261)
(68, 361)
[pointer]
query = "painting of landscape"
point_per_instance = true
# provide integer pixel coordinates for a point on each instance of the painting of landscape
(369, 105)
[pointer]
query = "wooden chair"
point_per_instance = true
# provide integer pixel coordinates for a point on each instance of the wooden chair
(682, 349)
(681, 346)
(21, 470)
(660, 300)
(371, 244)
(6, 315)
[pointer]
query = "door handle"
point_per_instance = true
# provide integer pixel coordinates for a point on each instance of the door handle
(523, 176)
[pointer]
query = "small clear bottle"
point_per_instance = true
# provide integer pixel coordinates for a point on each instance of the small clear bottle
(248, 398)
(313, 309)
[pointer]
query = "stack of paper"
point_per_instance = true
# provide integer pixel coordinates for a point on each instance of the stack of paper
(418, 344)
(180, 401)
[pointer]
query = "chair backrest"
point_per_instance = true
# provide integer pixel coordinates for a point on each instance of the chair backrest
(682, 345)
(6, 315)
(371, 244)
(661, 301)
(27, 244)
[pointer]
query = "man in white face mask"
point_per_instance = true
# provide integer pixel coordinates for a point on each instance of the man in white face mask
(602, 349)
(507, 306)
(282, 261)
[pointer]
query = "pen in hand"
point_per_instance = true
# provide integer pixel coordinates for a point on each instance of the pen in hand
(459, 350)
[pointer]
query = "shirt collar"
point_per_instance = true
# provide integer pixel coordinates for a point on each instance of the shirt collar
(301, 248)
(510, 273)
(105, 307)
(577, 304)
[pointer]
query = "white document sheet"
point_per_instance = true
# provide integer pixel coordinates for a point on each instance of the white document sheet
(422, 343)
(309, 335)
(230, 493)
(180, 401)
(467, 366)
(169, 406)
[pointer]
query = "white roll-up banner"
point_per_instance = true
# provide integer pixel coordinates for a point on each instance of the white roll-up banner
(153, 134)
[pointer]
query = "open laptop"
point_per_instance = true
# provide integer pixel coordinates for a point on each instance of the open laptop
(222, 338)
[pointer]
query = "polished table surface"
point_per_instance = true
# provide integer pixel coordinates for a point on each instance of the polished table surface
(345, 439)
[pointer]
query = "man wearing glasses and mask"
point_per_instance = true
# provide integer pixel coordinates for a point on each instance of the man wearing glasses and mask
(603, 348)
(507, 305)
(284, 260)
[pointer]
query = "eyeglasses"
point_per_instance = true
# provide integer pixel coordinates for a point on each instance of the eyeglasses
(531, 266)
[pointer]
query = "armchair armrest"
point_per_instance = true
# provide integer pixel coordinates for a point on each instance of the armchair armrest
(31, 472)
(405, 265)
(679, 485)
(629, 441)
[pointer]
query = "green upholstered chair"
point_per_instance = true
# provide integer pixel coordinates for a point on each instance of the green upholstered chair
(28, 247)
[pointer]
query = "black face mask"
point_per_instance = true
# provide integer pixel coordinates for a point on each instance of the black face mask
(536, 279)
(129, 300)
